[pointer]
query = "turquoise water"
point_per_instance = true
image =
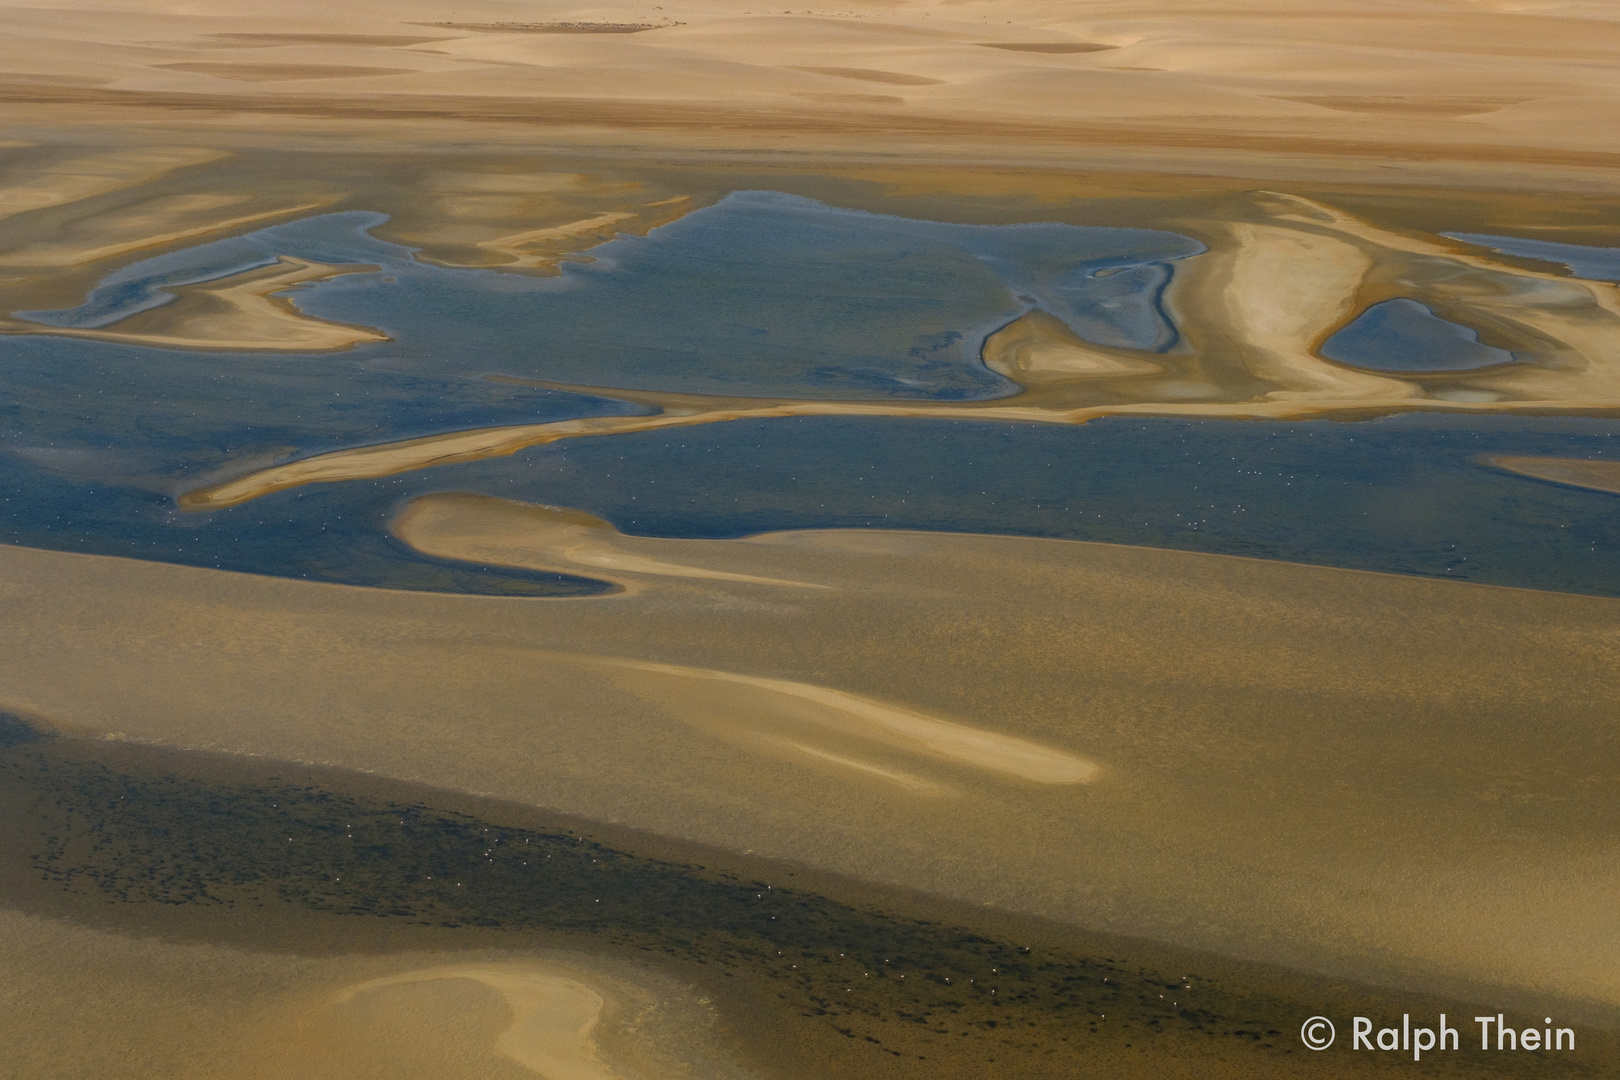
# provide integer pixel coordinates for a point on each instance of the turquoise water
(763, 294)
(1593, 263)
(1404, 335)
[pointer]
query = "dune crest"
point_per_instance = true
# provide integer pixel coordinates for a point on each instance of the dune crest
(767, 703)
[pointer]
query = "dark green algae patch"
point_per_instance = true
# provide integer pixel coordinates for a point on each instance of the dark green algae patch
(859, 986)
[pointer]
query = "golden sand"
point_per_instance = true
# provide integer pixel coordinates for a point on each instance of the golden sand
(504, 533)
(1325, 85)
(243, 311)
(1284, 754)
(1577, 472)
(554, 1017)
(153, 1009)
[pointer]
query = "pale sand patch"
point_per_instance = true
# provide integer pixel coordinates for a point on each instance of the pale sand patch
(554, 1018)
(484, 529)
(238, 312)
(146, 223)
(59, 182)
(852, 714)
(1037, 349)
(151, 1008)
(893, 776)
(1597, 475)
(1289, 753)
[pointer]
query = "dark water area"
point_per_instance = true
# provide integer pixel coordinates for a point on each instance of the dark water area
(1404, 335)
(1582, 260)
(761, 293)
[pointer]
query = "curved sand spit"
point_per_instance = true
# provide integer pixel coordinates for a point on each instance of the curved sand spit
(242, 311)
(481, 528)
(1576, 472)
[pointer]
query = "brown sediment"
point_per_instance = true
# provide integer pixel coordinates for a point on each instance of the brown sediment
(1576, 472)
(240, 312)
(1279, 766)
(52, 255)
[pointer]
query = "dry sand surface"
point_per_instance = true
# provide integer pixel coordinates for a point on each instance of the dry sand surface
(1531, 87)
(1283, 755)
(142, 1008)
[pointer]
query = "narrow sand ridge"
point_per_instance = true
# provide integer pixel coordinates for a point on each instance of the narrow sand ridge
(485, 529)
(237, 312)
(1287, 753)
(61, 182)
(1597, 475)
(1257, 307)
(147, 223)
(553, 1017)
(863, 718)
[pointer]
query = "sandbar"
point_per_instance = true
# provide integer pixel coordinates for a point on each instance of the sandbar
(240, 312)
(1576, 472)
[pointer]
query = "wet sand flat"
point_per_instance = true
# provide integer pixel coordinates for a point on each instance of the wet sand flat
(1283, 754)
(1597, 475)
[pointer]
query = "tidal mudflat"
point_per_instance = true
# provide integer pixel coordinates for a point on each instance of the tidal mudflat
(926, 540)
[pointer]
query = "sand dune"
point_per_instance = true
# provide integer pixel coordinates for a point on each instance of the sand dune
(1288, 753)
(1230, 85)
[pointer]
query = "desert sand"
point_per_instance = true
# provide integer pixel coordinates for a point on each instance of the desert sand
(1527, 87)
(1391, 779)
(1283, 754)
(149, 1007)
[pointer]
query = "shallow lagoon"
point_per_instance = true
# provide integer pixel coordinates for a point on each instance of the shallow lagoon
(759, 294)
(1404, 335)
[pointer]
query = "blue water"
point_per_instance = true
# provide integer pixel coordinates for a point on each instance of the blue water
(1593, 263)
(1404, 335)
(758, 294)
